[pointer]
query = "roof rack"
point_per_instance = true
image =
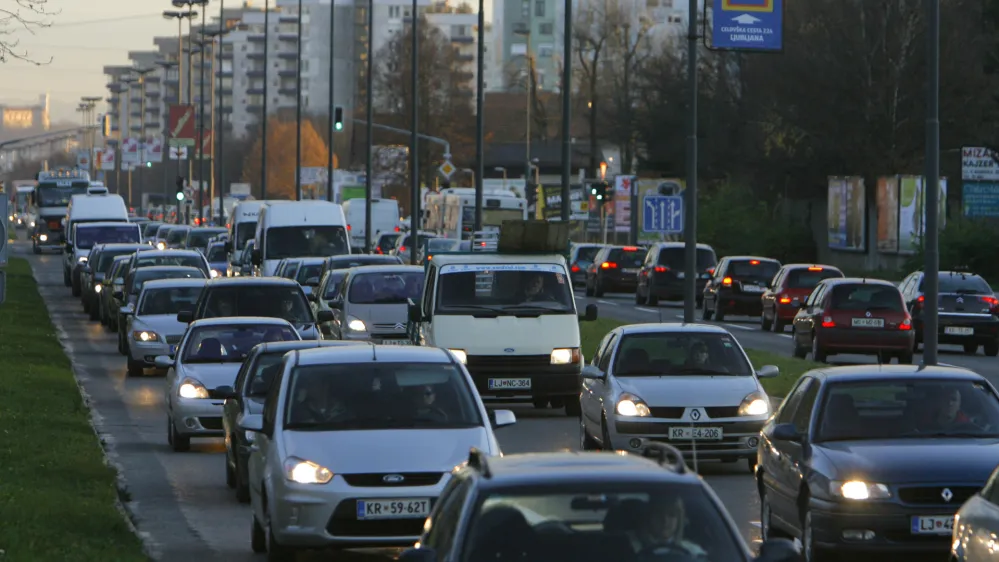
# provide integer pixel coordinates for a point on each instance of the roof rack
(477, 461)
(667, 456)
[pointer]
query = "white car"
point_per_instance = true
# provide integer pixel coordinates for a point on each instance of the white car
(151, 326)
(209, 357)
(689, 385)
(356, 443)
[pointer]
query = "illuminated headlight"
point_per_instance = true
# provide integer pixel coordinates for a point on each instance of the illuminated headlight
(632, 406)
(12, 217)
(215, 273)
(754, 405)
(859, 490)
(355, 324)
(161, 246)
(460, 355)
(191, 388)
(98, 288)
(32, 225)
(82, 259)
(43, 237)
(565, 356)
(144, 336)
(306, 472)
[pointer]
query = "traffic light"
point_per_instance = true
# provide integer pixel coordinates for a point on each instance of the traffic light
(600, 192)
(180, 188)
(338, 118)
(106, 124)
(149, 164)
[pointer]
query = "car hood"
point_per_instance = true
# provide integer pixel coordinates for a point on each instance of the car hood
(690, 390)
(162, 324)
(212, 375)
(902, 461)
(384, 317)
(392, 450)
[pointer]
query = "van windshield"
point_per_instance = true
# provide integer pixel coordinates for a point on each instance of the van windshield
(523, 290)
(87, 237)
(59, 196)
(245, 231)
(305, 241)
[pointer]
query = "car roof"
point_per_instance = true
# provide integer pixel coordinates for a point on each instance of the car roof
(175, 252)
(239, 320)
(860, 373)
(160, 268)
(119, 246)
(283, 347)
(700, 246)
(174, 283)
(309, 261)
(528, 469)
(250, 281)
(748, 258)
(807, 265)
(671, 327)
(857, 281)
(83, 225)
(497, 258)
(374, 353)
(387, 268)
(355, 257)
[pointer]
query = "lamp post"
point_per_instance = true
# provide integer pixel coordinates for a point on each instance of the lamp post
(414, 143)
(370, 116)
(298, 109)
(191, 15)
(117, 89)
(220, 107)
(141, 75)
(166, 66)
(526, 32)
(480, 123)
(263, 111)
(128, 80)
(91, 102)
(331, 156)
(203, 47)
(932, 254)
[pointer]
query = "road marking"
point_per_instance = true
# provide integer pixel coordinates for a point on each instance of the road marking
(788, 336)
(607, 302)
(649, 310)
(755, 524)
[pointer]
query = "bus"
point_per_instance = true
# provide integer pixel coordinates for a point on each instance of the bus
(49, 201)
(451, 213)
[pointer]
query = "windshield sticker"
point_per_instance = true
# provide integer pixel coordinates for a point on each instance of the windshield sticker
(469, 268)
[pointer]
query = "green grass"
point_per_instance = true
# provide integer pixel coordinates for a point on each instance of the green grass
(57, 496)
(590, 334)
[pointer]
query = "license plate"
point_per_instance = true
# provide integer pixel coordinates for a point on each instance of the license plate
(173, 350)
(956, 331)
(696, 433)
(752, 289)
(408, 508)
(396, 342)
(630, 270)
(868, 322)
(933, 525)
(681, 275)
(504, 384)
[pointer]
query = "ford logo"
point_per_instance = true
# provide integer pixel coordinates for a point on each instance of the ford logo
(509, 350)
(393, 478)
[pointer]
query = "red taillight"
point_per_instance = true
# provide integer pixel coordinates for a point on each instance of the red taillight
(814, 269)
(378, 250)
(661, 269)
(991, 301)
(754, 262)
(402, 248)
(827, 322)
(785, 300)
(608, 265)
(348, 228)
(630, 249)
(711, 270)
(727, 281)
(906, 324)
(575, 268)
(396, 229)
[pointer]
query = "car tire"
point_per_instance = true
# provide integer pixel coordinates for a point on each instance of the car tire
(135, 368)
(77, 290)
(638, 298)
(242, 488)
(818, 354)
(36, 250)
(991, 349)
(797, 351)
(277, 552)
(809, 553)
(766, 519)
(572, 407)
(970, 348)
(605, 435)
(765, 324)
(719, 313)
(586, 443)
(65, 278)
(540, 403)
(95, 313)
(905, 358)
(179, 443)
(86, 305)
(705, 313)
(589, 289)
(651, 299)
(258, 539)
(598, 289)
(778, 325)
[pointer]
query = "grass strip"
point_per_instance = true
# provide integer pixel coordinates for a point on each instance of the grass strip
(57, 495)
(591, 333)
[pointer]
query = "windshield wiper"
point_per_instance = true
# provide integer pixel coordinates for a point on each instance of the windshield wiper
(486, 311)
(699, 371)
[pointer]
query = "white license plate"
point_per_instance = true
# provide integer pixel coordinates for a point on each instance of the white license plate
(752, 289)
(868, 323)
(933, 525)
(696, 433)
(396, 342)
(407, 508)
(681, 275)
(630, 270)
(956, 331)
(506, 384)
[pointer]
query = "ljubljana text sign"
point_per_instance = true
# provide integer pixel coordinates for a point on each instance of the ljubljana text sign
(747, 25)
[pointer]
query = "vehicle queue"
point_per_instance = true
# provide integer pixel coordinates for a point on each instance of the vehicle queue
(247, 357)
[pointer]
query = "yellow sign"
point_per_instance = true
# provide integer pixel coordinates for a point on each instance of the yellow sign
(446, 169)
(17, 118)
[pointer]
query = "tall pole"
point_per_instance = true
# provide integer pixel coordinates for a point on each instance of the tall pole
(122, 90)
(567, 111)
(180, 98)
(190, 98)
(142, 132)
(370, 118)
(219, 131)
(331, 156)
(201, 127)
(480, 125)
(690, 203)
(263, 112)
(298, 110)
(414, 138)
(932, 191)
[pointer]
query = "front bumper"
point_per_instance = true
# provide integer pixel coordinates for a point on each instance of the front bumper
(535, 375)
(890, 523)
(146, 351)
(985, 330)
(862, 341)
(197, 417)
(316, 516)
(740, 437)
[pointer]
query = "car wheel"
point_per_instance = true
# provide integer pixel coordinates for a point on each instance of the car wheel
(76, 289)
(971, 348)
(598, 288)
(705, 313)
(95, 313)
(991, 349)
(766, 525)
(765, 324)
(65, 278)
(258, 539)
(778, 325)
(230, 472)
(586, 443)
(572, 407)
(638, 297)
(796, 350)
(651, 299)
(719, 313)
(179, 443)
(135, 368)
(818, 354)
(35, 249)
(589, 289)
(540, 403)
(86, 305)
(242, 487)
(277, 552)
(809, 552)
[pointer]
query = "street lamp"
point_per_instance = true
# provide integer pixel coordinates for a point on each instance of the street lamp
(117, 89)
(180, 16)
(166, 66)
(91, 102)
(219, 131)
(127, 80)
(203, 47)
(298, 108)
(263, 109)
(141, 74)
(529, 71)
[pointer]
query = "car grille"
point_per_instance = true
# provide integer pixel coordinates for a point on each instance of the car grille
(676, 412)
(211, 423)
(722, 411)
(390, 327)
(933, 495)
(344, 523)
(507, 363)
(174, 340)
(376, 480)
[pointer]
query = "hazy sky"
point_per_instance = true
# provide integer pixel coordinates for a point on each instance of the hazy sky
(85, 35)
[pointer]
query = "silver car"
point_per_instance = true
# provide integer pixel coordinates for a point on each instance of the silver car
(372, 303)
(209, 357)
(357, 442)
(690, 385)
(151, 326)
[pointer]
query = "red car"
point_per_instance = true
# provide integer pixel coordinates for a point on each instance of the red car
(792, 284)
(850, 315)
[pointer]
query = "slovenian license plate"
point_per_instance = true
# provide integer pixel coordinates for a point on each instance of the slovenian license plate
(868, 323)
(696, 433)
(509, 384)
(957, 331)
(408, 508)
(395, 342)
(752, 289)
(933, 525)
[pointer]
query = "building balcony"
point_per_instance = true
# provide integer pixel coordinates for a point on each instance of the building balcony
(291, 37)
(154, 126)
(224, 91)
(288, 18)
(464, 39)
(288, 91)
(224, 73)
(136, 99)
(170, 99)
(288, 56)
(255, 108)
(153, 95)
(155, 110)
(256, 91)
(256, 38)
(135, 114)
(288, 73)
(171, 82)
(464, 57)
(153, 79)
(255, 55)
(256, 73)
(226, 55)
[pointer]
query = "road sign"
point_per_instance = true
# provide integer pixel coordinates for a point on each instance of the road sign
(748, 25)
(178, 153)
(4, 203)
(153, 151)
(130, 150)
(662, 213)
(313, 175)
(83, 159)
(205, 149)
(182, 130)
(107, 158)
(447, 169)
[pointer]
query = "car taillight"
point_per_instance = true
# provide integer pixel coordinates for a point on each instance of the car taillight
(711, 270)
(378, 250)
(402, 248)
(575, 268)
(630, 249)
(906, 324)
(608, 265)
(348, 228)
(919, 302)
(661, 269)
(397, 229)
(754, 262)
(993, 304)
(727, 281)
(827, 322)
(785, 300)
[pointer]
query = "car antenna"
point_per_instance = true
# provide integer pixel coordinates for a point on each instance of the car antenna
(374, 356)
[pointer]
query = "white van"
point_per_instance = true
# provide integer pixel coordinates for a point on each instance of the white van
(384, 218)
(298, 229)
(242, 227)
(510, 317)
(104, 209)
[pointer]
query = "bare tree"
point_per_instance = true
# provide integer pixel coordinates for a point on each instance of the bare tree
(590, 36)
(628, 50)
(18, 16)
(526, 78)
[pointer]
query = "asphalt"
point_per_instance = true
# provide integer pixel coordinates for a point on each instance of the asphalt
(180, 502)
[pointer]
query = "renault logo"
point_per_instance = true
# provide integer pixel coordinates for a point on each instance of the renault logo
(947, 495)
(695, 414)
(393, 478)
(400, 326)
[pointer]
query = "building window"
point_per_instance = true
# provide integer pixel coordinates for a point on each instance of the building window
(395, 11)
(539, 8)
(545, 50)
(459, 30)
(546, 29)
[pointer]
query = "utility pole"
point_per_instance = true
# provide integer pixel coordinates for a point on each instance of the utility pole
(567, 112)
(414, 139)
(932, 253)
(480, 102)
(219, 127)
(331, 156)
(690, 204)
(263, 112)
(370, 115)
(201, 127)
(298, 109)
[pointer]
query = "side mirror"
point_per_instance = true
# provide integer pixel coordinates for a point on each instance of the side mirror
(163, 362)
(414, 312)
(418, 555)
(118, 295)
(255, 257)
(590, 315)
(127, 310)
(779, 550)
(185, 316)
(226, 392)
(250, 422)
(593, 372)
(501, 418)
(324, 316)
(786, 432)
(768, 372)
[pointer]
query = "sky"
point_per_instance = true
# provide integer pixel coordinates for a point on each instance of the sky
(84, 36)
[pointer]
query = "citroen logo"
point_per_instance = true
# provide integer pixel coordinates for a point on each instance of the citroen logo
(509, 350)
(695, 414)
(400, 326)
(947, 495)
(393, 478)
(868, 314)
(960, 300)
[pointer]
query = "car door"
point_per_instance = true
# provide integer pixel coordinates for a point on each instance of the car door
(979, 525)
(769, 297)
(794, 470)
(445, 520)
(593, 390)
(233, 406)
(337, 305)
(425, 332)
(260, 451)
(772, 460)
(651, 258)
(804, 320)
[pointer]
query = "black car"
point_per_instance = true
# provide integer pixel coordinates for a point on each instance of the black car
(99, 264)
(876, 458)
(614, 269)
(736, 287)
(664, 271)
(580, 258)
(348, 261)
(967, 306)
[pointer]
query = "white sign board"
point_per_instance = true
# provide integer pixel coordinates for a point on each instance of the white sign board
(979, 164)
(313, 175)
(107, 158)
(130, 150)
(154, 149)
(178, 153)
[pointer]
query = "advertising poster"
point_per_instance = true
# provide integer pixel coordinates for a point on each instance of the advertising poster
(980, 199)
(622, 203)
(912, 214)
(847, 214)
(888, 214)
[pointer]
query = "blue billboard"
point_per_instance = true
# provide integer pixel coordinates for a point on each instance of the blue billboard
(980, 199)
(747, 25)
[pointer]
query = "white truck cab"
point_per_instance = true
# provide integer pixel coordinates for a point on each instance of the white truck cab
(509, 315)
(298, 229)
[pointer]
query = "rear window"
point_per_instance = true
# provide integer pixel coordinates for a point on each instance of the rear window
(198, 238)
(967, 284)
(266, 370)
(753, 269)
(308, 271)
(673, 258)
(626, 257)
(387, 242)
(186, 260)
(143, 275)
(176, 235)
(269, 301)
(151, 228)
(587, 253)
(809, 278)
(864, 297)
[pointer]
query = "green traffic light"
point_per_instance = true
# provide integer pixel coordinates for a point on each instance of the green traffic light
(180, 196)
(149, 164)
(338, 126)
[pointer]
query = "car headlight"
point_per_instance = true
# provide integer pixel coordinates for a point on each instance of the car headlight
(145, 336)
(460, 355)
(215, 273)
(632, 406)
(306, 472)
(192, 388)
(756, 404)
(98, 288)
(859, 490)
(355, 324)
(43, 237)
(565, 356)
(160, 246)
(82, 259)
(32, 225)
